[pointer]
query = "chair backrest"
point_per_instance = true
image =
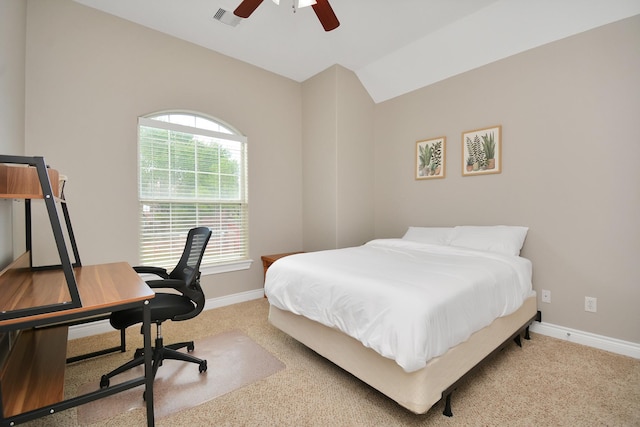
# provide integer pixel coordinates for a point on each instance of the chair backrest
(188, 268)
(189, 265)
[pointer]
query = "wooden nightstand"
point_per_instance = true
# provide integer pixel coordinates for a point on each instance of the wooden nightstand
(267, 260)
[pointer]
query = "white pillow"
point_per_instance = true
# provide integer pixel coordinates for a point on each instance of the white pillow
(431, 235)
(502, 239)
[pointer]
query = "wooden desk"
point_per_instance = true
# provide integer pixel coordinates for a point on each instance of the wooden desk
(32, 380)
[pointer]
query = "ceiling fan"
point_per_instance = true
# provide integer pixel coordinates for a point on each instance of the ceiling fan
(322, 8)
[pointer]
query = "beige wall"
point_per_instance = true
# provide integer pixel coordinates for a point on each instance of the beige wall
(90, 75)
(567, 111)
(12, 55)
(355, 195)
(320, 169)
(337, 160)
(569, 114)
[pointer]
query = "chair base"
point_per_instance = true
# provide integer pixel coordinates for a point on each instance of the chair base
(160, 353)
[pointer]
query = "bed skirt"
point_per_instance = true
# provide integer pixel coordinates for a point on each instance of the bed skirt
(417, 391)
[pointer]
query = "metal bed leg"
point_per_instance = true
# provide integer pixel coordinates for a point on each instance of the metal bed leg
(517, 340)
(447, 406)
(526, 334)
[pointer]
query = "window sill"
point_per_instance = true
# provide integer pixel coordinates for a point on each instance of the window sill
(226, 268)
(213, 269)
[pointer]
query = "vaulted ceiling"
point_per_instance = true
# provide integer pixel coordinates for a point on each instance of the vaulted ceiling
(394, 47)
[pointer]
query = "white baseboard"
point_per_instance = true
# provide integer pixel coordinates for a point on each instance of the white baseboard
(601, 342)
(102, 326)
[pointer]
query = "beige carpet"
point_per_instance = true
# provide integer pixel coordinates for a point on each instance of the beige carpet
(233, 359)
(547, 382)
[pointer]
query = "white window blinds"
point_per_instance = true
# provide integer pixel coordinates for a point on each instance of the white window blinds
(191, 176)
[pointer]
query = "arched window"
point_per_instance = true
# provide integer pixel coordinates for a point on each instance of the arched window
(192, 171)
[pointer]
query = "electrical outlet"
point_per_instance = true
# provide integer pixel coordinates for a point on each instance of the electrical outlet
(591, 304)
(546, 296)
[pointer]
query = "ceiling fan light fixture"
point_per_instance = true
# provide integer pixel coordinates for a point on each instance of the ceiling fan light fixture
(299, 3)
(305, 3)
(322, 9)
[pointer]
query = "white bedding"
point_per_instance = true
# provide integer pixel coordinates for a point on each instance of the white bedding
(406, 300)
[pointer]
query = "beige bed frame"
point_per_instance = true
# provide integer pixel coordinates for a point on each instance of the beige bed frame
(417, 391)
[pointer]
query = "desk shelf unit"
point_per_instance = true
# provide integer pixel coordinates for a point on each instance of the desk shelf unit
(33, 182)
(38, 302)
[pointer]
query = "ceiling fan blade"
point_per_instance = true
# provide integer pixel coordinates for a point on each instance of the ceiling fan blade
(325, 14)
(246, 8)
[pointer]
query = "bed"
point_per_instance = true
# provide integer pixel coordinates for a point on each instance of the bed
(408, 316)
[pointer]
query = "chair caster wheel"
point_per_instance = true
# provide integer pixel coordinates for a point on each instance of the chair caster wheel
(104, 381)
(203, 366)
(190, 347)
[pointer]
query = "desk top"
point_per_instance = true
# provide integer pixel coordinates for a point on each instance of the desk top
(101, 287)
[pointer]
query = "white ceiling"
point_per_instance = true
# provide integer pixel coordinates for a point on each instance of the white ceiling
(394, 47)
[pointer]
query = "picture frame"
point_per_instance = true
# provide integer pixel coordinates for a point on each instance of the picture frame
(430, 158)
(482, 151)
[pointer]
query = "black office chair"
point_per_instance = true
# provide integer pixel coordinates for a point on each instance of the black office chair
(185, 278)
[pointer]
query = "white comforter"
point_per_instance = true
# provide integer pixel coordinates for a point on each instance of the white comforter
(408, 301)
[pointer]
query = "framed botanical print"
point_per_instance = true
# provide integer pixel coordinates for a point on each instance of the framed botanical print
(430, 158)
(482, 151)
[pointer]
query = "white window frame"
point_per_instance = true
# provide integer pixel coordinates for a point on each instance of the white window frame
(150, 121)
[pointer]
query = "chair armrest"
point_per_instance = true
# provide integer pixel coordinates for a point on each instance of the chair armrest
(166, 283)
(158, 271)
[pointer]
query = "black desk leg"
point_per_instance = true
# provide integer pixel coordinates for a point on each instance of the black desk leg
(148, 367)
